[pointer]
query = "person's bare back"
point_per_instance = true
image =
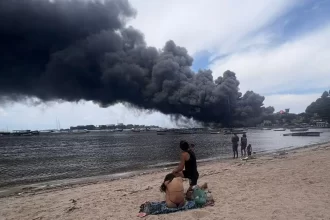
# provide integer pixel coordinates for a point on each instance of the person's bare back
(175, 193)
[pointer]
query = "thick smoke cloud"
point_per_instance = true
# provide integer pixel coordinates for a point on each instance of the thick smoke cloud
(82, 50)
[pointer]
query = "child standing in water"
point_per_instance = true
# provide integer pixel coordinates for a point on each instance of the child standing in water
(243, 145)
(249, 150)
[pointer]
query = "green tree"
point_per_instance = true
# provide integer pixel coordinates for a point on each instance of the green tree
(321, 107)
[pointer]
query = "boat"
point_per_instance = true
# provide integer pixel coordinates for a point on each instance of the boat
(215, 132)
(310, 133)
(280, 129)
(4, 133)
(184, 131)
(266, 129)
(299, 129)
(25, 133)
(135, 130)
(236, 132)
(79, 131)
(161, 132)
(119, 130)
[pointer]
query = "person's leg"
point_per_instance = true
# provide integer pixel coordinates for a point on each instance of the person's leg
(193, 182)
(241, 151)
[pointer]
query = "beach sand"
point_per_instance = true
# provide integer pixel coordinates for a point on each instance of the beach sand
(291, 186)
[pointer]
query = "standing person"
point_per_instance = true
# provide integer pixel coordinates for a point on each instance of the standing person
(243, 145)
(234, 141)
(249, 150)
(189, 164)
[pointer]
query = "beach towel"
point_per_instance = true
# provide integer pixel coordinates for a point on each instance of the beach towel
(157, 208)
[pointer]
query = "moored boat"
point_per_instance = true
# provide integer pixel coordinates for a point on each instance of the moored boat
(309, 134)
(299, 129)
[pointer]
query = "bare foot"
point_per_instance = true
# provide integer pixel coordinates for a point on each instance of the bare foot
(204, 186)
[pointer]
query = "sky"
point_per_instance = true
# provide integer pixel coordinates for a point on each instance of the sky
(277, 48)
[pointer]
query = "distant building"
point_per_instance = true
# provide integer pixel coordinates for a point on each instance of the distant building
(322, 124)
(287, 110)
(267, 123)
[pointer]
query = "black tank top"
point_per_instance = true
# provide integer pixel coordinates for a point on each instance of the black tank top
(191, 164)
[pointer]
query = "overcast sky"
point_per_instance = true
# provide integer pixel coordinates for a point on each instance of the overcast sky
(277, 48)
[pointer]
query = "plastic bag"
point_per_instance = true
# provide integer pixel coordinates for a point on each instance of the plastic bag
(199, 196)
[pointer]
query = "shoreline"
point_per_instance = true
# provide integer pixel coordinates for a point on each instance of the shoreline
(32, 188)
(287, 184)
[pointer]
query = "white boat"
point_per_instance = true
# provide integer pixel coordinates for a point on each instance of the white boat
(79, 131)
(135, 130)
(299, 129)
(280, 129)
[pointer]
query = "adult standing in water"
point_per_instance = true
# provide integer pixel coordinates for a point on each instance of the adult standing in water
(234, 141)
(187, 167)
(243, 145)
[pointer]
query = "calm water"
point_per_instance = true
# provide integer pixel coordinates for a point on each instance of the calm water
(55, 157)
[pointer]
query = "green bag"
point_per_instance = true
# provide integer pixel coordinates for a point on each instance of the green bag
(199, 196)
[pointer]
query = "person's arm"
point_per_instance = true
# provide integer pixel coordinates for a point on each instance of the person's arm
(181, 164)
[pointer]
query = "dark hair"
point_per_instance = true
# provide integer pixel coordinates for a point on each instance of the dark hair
(169, 177)
(244, 135)
(184, 145)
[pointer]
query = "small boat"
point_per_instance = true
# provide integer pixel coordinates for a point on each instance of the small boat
(161, 132)
(234, 132)
(310, 134)
(5, 133)
(280, 129)
(183, 131)
(215, 132)
(27, 134)
(299, 129)
(266, 129)
(135, 130)
(79, 131)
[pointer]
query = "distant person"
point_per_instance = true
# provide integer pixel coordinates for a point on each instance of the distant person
(192, 147)
(173, 188)
(243, 145)
(249, 150)
(234, 141)
(189, 164)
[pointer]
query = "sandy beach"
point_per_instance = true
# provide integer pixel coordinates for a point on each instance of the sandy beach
(290, 185)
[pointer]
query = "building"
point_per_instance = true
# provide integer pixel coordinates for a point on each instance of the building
(267, 123)
(322, 124)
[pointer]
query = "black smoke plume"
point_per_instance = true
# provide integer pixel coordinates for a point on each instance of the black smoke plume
(82, 50)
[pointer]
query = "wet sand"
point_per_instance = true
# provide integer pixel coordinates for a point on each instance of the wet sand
(290, 185)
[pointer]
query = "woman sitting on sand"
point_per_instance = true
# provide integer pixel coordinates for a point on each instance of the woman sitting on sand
(173, 187)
